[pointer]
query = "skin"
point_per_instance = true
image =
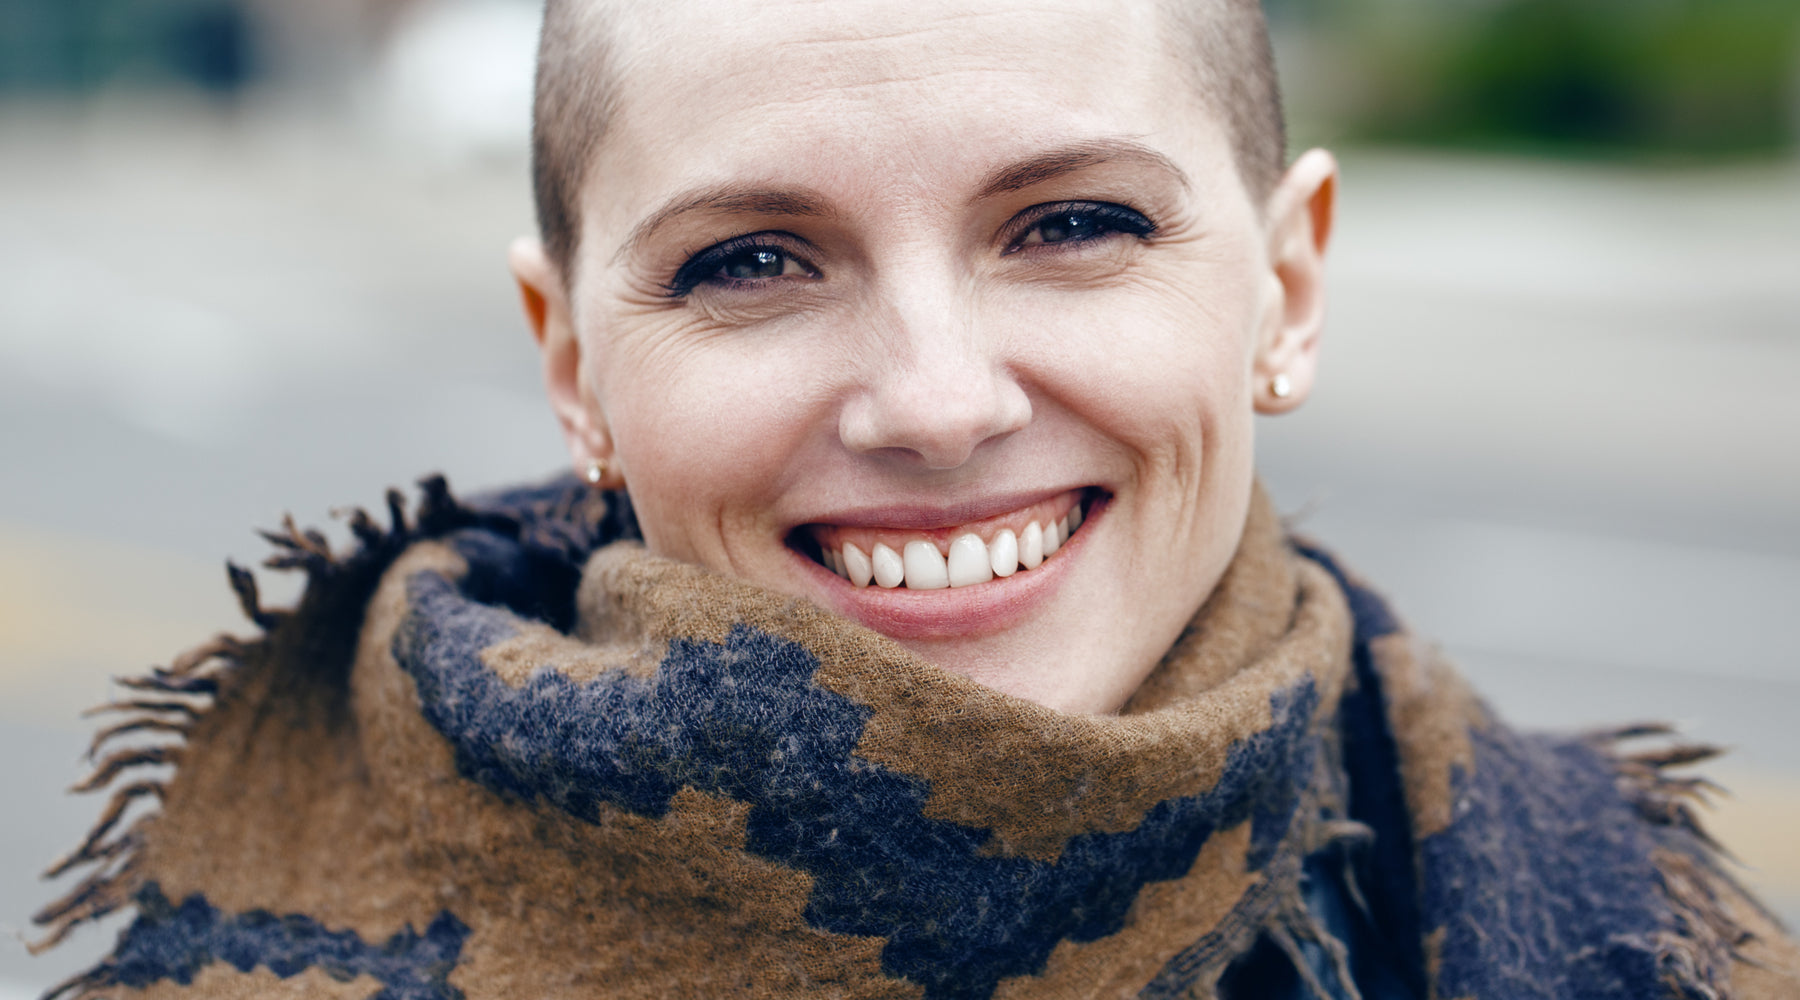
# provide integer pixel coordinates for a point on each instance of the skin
(924, 354)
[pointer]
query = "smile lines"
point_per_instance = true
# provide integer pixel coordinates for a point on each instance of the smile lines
(922, 564)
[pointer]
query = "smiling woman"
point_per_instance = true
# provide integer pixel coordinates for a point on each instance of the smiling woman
(1068, 297)
(914, 625)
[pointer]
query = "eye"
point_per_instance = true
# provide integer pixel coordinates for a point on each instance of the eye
(759, 263)
(741, 261)
(1078, 222)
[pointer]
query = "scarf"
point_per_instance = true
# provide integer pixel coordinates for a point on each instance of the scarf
(501, 750)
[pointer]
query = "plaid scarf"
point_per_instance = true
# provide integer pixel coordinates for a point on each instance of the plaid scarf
(500, 750)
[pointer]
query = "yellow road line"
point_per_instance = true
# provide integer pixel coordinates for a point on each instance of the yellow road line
(1759, 822)
(77, 609)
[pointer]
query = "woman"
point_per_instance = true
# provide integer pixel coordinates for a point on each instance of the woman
(915, 627)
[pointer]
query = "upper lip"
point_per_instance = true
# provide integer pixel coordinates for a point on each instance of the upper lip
(928, 517)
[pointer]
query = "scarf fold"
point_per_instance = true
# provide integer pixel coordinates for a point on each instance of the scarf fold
(504, 751)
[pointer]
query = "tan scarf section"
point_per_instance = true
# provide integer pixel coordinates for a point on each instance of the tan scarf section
(316, 786)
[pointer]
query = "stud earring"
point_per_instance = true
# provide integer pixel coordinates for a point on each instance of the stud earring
(1281, 387)
(596, 470)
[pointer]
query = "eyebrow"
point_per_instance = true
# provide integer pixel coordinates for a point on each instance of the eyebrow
(725, 199)
(1045, 166)
(1074, 157)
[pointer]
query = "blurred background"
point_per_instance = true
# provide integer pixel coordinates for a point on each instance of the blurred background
(252, 262)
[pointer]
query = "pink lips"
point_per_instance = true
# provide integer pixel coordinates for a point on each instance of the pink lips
(977, 610)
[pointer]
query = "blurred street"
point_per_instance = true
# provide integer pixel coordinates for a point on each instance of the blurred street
(1558, 422)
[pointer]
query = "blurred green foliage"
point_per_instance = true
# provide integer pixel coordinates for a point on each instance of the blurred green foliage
(1681, 76)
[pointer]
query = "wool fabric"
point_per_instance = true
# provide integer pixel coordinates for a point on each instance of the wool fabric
(501, 750)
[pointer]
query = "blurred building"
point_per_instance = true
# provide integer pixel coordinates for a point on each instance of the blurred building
(74, 46)
(320, 43)
(77, 46)
(450, 77)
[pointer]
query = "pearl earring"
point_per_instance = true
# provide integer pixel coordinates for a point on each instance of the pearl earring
(595, 473)
(1281, 387)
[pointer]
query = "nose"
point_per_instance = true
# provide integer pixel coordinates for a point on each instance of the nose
(935, 390)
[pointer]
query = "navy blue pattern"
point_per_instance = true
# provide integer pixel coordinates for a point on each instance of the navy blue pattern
(1386, 871)
(743, 719)
(1543, 882)
(174, 942)
(1373, 619)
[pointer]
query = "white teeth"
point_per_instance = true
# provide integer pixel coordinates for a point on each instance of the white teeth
(925, 567)
(920, 566)
(1031, 546)
(890, 570)
(1003, 554)
(969, 562)
(857, 566)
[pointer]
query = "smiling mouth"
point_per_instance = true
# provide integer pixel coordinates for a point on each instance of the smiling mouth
(959, 556)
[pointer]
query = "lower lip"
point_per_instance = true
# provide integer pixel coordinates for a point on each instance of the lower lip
(954, 612)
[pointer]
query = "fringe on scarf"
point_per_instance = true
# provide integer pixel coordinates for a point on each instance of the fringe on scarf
(171, 701)
(1695, 955)
(1276, 910)
(1294, 922)
(1289, 922)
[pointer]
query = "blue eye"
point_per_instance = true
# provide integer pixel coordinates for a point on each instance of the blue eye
(759, 262)
(741, 260)
(1080, 222)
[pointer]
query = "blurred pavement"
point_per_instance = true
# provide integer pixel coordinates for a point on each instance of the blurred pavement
(1558, 421)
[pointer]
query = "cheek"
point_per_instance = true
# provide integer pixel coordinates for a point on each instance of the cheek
(1158, 363)
(707, 433)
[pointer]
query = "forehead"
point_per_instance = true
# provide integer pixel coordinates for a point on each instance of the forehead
(713, 89)
(864, 43)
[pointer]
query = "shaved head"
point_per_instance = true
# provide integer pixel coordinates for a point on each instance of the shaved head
(1222, 44)
(575, 97)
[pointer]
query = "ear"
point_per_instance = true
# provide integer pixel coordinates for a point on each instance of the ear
(1299, 219)
(552, 322)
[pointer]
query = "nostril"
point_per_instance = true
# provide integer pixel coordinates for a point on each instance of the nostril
(940, 422)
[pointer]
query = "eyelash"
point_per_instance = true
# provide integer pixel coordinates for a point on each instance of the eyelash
(705, 266)
(1111, 219)
(1106, 218)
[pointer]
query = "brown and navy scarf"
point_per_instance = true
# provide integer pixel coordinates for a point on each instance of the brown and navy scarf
(500, 750)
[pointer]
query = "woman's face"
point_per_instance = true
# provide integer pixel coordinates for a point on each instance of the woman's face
(862, 279)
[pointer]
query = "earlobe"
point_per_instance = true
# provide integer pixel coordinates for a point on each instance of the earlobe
(551, 320)
(1300, 217)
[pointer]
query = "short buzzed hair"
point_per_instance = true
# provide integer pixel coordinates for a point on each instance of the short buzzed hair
(571, 108)
(1225, 45)
(1224, 42)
